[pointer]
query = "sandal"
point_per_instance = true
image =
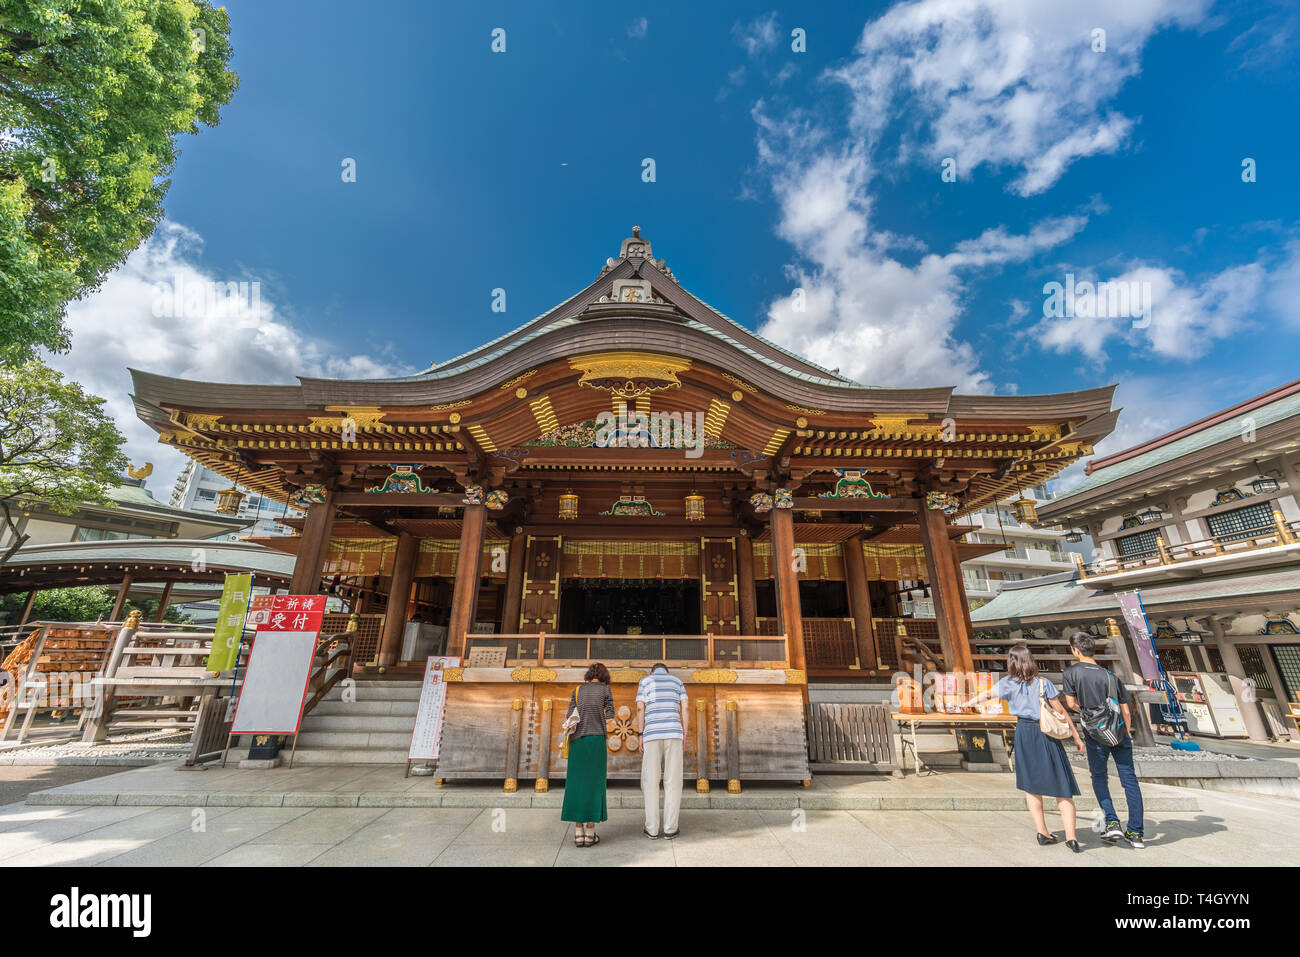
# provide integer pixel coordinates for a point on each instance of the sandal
(579, 837)
(592, 840)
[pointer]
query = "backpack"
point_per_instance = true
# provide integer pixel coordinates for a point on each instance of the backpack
(1105, 723)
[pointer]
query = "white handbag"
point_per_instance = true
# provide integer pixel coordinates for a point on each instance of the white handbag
(1050, 721)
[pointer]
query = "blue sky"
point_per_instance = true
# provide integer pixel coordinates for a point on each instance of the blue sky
(774, 170)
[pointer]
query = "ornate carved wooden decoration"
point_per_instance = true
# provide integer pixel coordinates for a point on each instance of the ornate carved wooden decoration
(541, 591)
(721, 611)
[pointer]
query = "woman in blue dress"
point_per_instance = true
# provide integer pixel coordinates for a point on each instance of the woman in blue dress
(1042, 767)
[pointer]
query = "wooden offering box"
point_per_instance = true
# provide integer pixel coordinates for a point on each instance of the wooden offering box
(504, 724)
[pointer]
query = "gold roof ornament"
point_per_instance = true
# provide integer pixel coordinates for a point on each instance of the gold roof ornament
(142, 473)
(629, 374)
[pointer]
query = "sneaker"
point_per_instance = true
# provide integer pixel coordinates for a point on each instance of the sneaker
(671, 836)
(646, 832)
(1113, 831)
(1134, 839)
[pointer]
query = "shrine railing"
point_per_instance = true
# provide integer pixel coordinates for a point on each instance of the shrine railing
(903, 640)
(1228, 544)
(558, 650)
(827, 642)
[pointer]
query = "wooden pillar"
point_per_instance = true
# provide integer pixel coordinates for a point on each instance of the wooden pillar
(946, 589)
(27, 606)
(464, 596)
(399, 597)
(164, 601)
(745, 585)
(512, 604)
(855, 576)
(789, 614)
(119, 605)
(314, 547)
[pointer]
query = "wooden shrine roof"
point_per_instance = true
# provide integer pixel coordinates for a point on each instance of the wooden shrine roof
(512, 412)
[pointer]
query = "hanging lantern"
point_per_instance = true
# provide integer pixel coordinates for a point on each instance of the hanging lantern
(568, 505)
(1149, 515)
(229, 500)
(1264, 485)
(1025, 511)
(1074, 535)
(695, 507)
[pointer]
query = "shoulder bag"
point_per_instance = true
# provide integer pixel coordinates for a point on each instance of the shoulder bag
(1050, 721)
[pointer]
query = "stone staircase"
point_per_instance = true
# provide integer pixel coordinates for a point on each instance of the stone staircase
(375, 728)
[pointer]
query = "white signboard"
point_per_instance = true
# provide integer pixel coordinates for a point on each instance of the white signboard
(275, 684)
(428, 716)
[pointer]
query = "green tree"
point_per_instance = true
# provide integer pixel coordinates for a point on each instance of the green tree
(83, 603)
(92, 96)
(57, 445)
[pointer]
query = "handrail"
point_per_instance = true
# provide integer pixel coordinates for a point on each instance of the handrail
(524, 652)
(322, 679)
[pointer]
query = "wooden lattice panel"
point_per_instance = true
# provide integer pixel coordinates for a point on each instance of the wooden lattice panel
(365, 645)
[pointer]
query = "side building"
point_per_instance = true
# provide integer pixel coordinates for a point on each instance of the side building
(200, 489)
(1204, 523)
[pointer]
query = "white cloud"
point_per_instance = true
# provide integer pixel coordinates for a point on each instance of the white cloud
(1186, 317)
(116, 328)
(879, 320)
(758, 36)
(638, 28)
(1012, 83)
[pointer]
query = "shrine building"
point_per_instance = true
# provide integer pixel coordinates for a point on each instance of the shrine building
(632, 477)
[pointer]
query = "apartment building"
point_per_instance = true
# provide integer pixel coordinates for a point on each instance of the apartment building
(1029, 552)
(197, 489)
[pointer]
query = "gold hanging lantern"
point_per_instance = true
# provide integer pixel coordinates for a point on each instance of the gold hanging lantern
(694, 507)
(228, 501)
(568, 505)
(1025, 510)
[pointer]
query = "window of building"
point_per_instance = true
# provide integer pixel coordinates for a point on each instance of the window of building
(98, 535)
(1241, 522)
(206, 494)
(1287, 658)
(1141, 545)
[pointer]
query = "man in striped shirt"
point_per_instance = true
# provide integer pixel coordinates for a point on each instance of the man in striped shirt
(662, 711)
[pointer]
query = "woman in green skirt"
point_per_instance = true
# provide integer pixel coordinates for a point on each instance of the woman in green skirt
(590, 710)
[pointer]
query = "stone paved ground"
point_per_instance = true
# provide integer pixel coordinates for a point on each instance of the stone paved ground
(18, 782)
(1226, 830)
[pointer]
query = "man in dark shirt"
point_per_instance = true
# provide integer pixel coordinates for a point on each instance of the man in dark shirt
(1087, 684)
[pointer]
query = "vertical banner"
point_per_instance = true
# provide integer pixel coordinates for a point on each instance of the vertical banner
(230, 622)
(1131, 605)
(427, 734)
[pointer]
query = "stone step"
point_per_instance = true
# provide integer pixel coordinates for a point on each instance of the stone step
(368, 691)
(339, 707)
(346, 740)
(348, 756)
(358, 722)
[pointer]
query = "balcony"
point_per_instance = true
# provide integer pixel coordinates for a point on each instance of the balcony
(1254, 550)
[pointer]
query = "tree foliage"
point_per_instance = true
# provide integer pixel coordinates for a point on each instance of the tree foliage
(84, 603)
(92, 96)
(57, 445)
